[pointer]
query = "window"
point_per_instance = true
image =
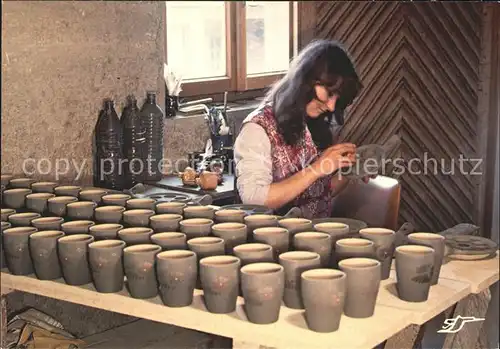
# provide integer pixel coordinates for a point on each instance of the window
(222, 46)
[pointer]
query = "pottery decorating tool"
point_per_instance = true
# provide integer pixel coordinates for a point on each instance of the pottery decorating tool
(469, 247)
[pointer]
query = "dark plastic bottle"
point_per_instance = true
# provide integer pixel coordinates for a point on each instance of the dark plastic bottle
(108, 149)
(134, 141)
(152, 118)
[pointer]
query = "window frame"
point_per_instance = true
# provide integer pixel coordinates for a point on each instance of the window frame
(236, 79)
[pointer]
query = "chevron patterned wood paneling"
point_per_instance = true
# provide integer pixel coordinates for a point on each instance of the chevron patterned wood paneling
(419, 64)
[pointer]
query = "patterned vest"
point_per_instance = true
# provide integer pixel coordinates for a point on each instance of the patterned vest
(316, 201)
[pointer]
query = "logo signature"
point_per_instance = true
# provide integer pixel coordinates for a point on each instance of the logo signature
(456, 324)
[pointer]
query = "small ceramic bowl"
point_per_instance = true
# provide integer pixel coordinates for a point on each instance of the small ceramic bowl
(136, 235)
(147, 204)
(109, 214)
(23, 219)
(115, 199)
(67, 190)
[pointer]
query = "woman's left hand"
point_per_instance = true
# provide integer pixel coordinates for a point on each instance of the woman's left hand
(366, 179)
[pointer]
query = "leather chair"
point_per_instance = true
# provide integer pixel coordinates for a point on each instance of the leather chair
(376, 202)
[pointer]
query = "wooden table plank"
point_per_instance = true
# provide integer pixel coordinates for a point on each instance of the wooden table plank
(289, 332)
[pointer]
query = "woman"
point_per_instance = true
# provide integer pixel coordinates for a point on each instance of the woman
(284, 153)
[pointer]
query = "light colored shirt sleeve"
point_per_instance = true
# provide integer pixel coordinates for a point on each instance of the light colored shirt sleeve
(253, 164)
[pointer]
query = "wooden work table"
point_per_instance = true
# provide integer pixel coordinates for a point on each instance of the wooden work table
(459, 279)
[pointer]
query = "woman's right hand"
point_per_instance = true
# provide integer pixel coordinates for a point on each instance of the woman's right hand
(333, 158)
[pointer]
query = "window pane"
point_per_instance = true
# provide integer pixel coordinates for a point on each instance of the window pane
(196, 38)
(268, 36)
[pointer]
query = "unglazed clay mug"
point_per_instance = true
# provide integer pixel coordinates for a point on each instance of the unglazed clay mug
(109, 214)
(176, 272)
(37, 202)
(23, 219)
(77, 227)
(143, 203)
(6, 178)
(136, 235)
(57, 205)
(323, 295)
(107, 231)
(82, 210)
(170, 241)
(385, 243)
(363, 281)
(94, 195)
(320, 243)
(206, 246)
(233, 234)
(220, 277)
(436, 242)
(336, 230)
(170, 207)
(354, 247)
(260, 221)
(199, 211)
(137, 217)
(116, 199)
(106, 265)
(67, 190)
(294, 264)
(263, 285)
(414, 270)
(254, 253)
(43, 249)
(21, 182)
(230, 215)
(16, 248)
(139, 264)
(277, 237)
(43, 187)
(166, 222)
(47, 223)
(73, 255)
(196, 227)
(295, 225)
(15, 198)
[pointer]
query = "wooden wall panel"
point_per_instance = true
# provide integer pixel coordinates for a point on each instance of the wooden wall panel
(419, 64)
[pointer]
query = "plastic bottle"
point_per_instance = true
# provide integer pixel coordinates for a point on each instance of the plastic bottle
(108, 149)
(134, 142)
(152, 118)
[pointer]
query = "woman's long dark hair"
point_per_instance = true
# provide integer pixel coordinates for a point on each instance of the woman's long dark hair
(321, 60)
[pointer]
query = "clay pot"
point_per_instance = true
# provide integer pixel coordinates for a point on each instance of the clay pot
(57, 205)
(320, 243)
(47, 223)
(254, 253)
(73, 253)
(384, 240)
(336, 230)
(37, 202)
(414, 269)
(21, 182)
(146, 204)
(136, 236)
(323, 294)
(15, 198)
(106, 265)
(295, 225)
(23, 219)
(43, 187)
(205, 247)
(94, 195)
(107, 231)
(139, 265)
(5, 225)
(77, 227)
(81, 210)
(208, 180)
(263, 285)
(170, 241)
(196, 227)
(199, 211)
(137, 218)
(235, 216)
(67, 190)
(353, 247)
(6, 212)
(109, 214)
(16, 249)
(220, 278)
(5, 179)
(436, 242)
(259, 221)
(363, 281)
(170, 207)
(294, 264)
(116, 199)
(43, 249)
(233, 234)
(188, 176)
(277, 237)
(165, 222)
(176, 271)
